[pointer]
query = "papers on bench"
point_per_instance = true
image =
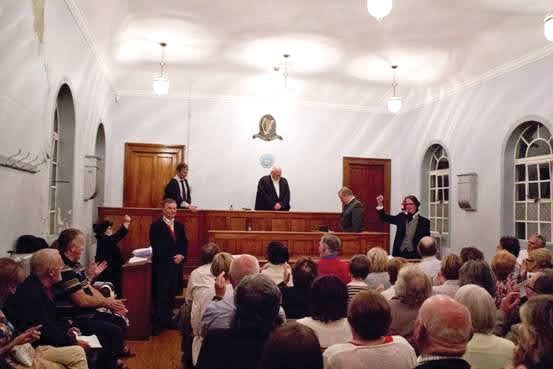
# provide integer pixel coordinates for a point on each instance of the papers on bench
(92, 341)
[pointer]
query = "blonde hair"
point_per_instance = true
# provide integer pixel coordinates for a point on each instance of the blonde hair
(503, 264)
(542, 258)
(378, 260)
(221, 263)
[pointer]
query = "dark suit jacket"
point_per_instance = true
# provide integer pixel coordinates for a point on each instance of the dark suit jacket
(30, 306)
(107, 249)
(164, 248)
(400, 220)
(172, 191)
(352, 216)
(444, 364)
(266, 197)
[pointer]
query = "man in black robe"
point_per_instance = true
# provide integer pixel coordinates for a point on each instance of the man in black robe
(273, 192)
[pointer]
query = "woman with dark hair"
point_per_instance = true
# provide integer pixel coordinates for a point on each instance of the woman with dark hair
(292, 346)
(295, 299)
(108, 251)
(328, 308)
(371, 348)
(277, 257)
(478, 272)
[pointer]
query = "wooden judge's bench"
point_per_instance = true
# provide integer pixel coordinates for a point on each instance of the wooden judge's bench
(237, 232)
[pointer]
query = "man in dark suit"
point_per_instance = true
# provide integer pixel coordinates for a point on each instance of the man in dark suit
(352, 211)
(178, 188)
(169, 247)
(273, 192)
(411, 226)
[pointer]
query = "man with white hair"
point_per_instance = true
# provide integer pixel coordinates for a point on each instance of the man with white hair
(429, 263)
(442, 331)
(220, 313)
(273, 192)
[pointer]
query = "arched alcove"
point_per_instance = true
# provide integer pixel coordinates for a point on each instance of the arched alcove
(100, 153)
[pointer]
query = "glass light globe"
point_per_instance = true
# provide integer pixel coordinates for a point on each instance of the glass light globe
(379, 8)
(161, 86)
(548, 27)
(394, 104)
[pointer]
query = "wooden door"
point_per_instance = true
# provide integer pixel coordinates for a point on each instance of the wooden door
(368, 178)
(148, 168)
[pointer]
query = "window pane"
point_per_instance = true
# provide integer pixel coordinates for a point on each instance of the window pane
(433, 210)
(520, 231)
(433, 225)
(532, 228)
(446, 181)
(521, 192)
(533, 172)
(446, 194)
(532, 211)
(520, 173)
(520, 211)
(446, 226)
(439, 225)
(443, 164)
(434, 163)
(544, 171)
(440, 196)
(545, 211)
(438, 152)
(544, 133)
(432, 181)
(538, 148)
(432, 195)
(533, 191)
(521, 149)
(439, 211)
(531, 133)
(545, 231)
(440, 182)
(544, 190)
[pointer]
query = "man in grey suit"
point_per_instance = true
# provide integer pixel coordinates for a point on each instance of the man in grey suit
(352, 211)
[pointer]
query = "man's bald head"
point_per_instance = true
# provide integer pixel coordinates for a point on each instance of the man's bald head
(276, 172)
(443, 326)
(427, 246)
(242, 266)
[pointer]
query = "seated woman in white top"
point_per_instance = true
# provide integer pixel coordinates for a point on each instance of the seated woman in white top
(484, 350)
(370, 318)
(203, 295)
(328, 307)
(277, 256)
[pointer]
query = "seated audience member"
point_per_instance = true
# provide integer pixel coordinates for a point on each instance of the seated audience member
(477, 272)
(394, 265)
(484, 350)
(257, 300)
(378, 266)
(107, 251)
(512, 245)
(536, 241)
(535, 348)
(358, 269)
(503, 266)
(292, 346)
(295, 299)
(27, 244)
(449, 275)
(220, 313)
(413, 287)
(371, 348)
(77, 300)
(429, 263)
(277, 256)
(328, 308)
(58, 346)
(202, 276)
(203, 295)
(470, 253)
(538, 259)
(329, 264)
(442, 332)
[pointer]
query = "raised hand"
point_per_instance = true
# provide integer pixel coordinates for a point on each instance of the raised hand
(220, 285)
(380, 200)
(30, 335)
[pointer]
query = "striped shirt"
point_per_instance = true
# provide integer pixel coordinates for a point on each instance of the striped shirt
(354, 287)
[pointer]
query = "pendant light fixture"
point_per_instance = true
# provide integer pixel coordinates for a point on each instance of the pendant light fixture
(394, 102)
(379, 8)
(161, 84)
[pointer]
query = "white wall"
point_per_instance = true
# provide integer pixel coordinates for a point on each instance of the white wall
(32, 73)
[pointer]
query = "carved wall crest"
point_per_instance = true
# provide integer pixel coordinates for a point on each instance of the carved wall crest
(267, 129)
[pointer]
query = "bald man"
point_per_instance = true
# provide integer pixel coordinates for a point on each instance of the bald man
(442, 330)
(273, 192)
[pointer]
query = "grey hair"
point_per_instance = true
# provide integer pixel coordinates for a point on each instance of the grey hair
(345, 191)
(413, 286)
(540, 238)
(43, 260)
(481, 306)
(332, 242)
(242, 266)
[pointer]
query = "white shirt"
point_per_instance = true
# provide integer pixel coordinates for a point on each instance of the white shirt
(522, 255)
(330, 333)
(431, 266)
(277, 186)
(200, 277)
(489, 351)
(170, 223)
(182, 187)
(389, 293)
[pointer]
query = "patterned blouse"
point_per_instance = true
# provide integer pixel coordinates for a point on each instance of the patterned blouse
(504, 287)
(6, 330)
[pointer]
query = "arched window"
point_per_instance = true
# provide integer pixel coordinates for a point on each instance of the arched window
(60, 192)
(532, 181)
(438, 192)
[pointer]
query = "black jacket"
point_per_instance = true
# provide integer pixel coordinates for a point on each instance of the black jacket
(453, 363)
(266, 197)
(352, 216)
(107, 249)
(400, 220)
(164, 248)
(172, 191)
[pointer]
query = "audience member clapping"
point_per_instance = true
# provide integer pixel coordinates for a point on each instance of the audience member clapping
(378, 275)
(358, 269)
(484, 350)
(371, 348)
(448, 278)
(394, 265)
(477, 272)
(257, 300)
(413, 287)
(429, 263)
(328, 310)
(277, 256)
(292, 346)
(503, 266)
(295, 299)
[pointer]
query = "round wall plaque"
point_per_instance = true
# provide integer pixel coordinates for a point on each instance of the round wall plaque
(267, 160)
